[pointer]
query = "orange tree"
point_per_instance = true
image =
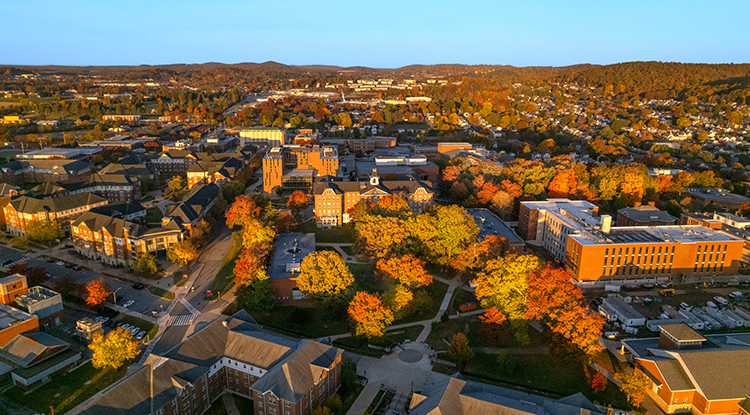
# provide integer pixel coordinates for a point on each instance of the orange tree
(391, 206)
(553, 299)
(298, 201)
(250, 263)
(407, 270)
(478, 253)
(371, 317)
(96, 292)
(325, 277)
(242, 211)
(381, 237)
(492, 328)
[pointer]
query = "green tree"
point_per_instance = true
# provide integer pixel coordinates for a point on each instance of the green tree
(260, 296)
(325, 277)
(46, 231)
(145, 265)
(459, 350)
(506, 362)
(442, 233)
(232, 189)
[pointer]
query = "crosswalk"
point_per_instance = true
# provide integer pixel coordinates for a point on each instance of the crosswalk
(189, 306)
(184, 320)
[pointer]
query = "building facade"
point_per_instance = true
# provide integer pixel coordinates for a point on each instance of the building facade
(44, 303)
(334, 199)
(281, 161)
(644, 215)
(651, 254)
(12, 287)
(271, 137)
(65, 209)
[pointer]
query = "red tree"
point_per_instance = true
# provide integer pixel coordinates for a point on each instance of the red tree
(242, 211)
(599, 382)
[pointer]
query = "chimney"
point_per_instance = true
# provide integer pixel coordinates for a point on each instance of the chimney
(165, 221)
(606, 223)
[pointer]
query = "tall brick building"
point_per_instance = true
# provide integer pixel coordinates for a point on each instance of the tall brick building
(64, 209)
(232, 356)
(281, 163)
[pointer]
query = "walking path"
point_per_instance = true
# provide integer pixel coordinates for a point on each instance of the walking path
(364, 399)
(349, 259)
(229, 404)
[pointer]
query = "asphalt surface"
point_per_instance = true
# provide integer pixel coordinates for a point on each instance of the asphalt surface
(144, 301)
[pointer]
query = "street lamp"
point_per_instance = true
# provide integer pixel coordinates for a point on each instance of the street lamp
(114, 295)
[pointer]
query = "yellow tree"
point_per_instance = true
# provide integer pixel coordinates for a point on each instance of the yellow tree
(371, 317)
(634, 386)
(97, 292)
(397, 297)
(324, 276)
(504, 284)
(113, 349)
(380, 238)
(183, 252)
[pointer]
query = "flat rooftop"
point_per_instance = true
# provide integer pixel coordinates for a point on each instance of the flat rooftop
(682, 333)
(576, 214)
(35, 295)
(490, 224)
(291, 249)
(11, 279)
(10, 316)
(300, 173)
(57, 152)
(684, 234)
(616, 303)
(718, 194)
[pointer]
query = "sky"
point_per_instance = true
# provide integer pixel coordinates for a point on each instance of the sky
(374, 33)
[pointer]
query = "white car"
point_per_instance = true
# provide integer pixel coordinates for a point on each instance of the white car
(126, 327)
(60, 263)
(141, 334)
(134, 330)
(129, 303)
(104, 319)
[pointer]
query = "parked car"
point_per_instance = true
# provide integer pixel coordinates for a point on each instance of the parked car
(60, 263)
(104, 319)
(50, 260)
(7, 262)
(69, 266)
(77, 268)
(128, 304)
(126, 326)
(139, 286)
(141, 334)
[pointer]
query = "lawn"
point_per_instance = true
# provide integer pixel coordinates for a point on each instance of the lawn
(244, 405)
(161, 293)
(178, 279)
(304, 322)
(67, 390)
(342, 234)
(217, 408)
(542, 374)
(153, 216)
(224, 281)
(358, 344)
(150, 328)
(365, 279)
(471, 327)
(348, 250)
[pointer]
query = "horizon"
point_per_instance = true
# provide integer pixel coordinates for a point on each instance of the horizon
(386, 35)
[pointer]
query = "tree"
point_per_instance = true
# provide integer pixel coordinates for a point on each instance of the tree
(19, 243)
(44, 231)
(182, 252)
(371, 317)
(599, 382)
(634, 386)
(392, 206)
(478, 253)
(145, 265)
(200, 232)
(298, 201)
(397, 297)
(459, 350)
(97, 292)
(492, 327)
(325, 277)
(407, 270)
(232, 189)
(254, 233)
(380, 238)
(176, 184)
(251, 263)
(242, 211)
(506, 362)
(66, 286)
(504, 284)
(285, 222)
(113, 349)
(260, 296)
(553, 299)
(443, 232)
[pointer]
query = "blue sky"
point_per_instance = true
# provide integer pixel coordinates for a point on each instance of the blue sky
(375, 33)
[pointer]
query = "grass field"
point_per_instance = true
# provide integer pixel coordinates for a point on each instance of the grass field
(67, 390)
(161, 293)
(304, 322)
(223, 280)
(342, 234)
(436, 291)
(365, 279)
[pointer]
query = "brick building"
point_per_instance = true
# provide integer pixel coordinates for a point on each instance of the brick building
(64, 209)
(645, 215)
(270, 136)
(116, 241)
(36, 171)
(14, 322)
(333, 199)
(231, 356)
(194, 207)
(651, 254)
(219, 172)
(280, 161)
(12, 287)
(692, 373)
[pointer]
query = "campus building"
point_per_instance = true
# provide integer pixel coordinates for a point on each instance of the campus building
(271, 137)
(64, 209)
(194, 207)
(14, 322)
(213, 171)
(692, 373)
(12, 287)
(548, 223)
(37, 171)
(37, 356)
(651, 254)
(489, 224)
(44, 303)
(295, 167)
(289, 251)
(282, 376)
(116, 241)
(121, 117)
(333, 199)
(726, 222)
(644, 215)
(717, 196)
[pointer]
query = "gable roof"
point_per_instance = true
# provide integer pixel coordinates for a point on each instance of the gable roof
(387, 186)
(646, 213)
(25, 349)
(720, 374)
(31, 205)
(291, 379)
(194, 202)
(114, 226)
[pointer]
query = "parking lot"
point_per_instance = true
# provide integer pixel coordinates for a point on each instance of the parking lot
(143, 301)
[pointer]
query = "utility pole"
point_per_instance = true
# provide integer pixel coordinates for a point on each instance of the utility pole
(114, 295)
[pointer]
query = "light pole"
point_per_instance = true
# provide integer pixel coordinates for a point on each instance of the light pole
(114, 295)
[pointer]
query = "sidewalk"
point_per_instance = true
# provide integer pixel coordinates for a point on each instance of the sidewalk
(364, 399)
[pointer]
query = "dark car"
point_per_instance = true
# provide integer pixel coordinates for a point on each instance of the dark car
(50, 260)
(69, 265)
(139, 286)
(77, 268)
(6, 262)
